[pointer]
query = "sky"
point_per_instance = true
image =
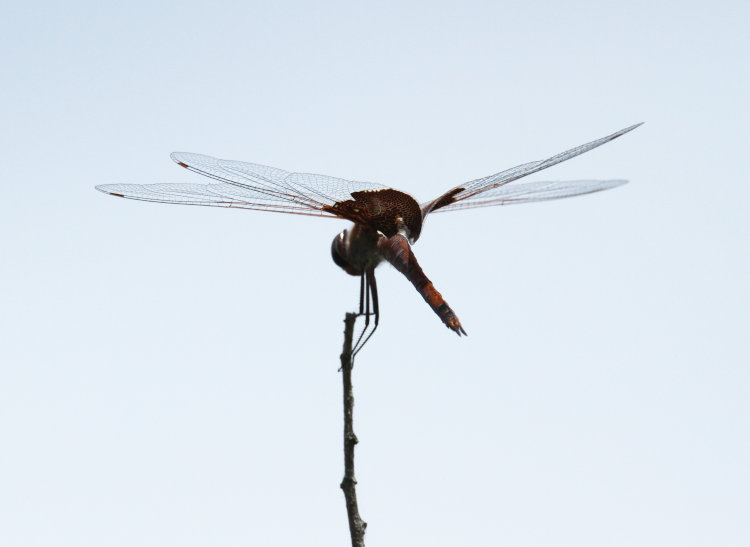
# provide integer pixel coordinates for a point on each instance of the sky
(168, 374)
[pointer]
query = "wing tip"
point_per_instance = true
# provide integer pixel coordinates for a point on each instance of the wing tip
(177, 157)
(629, 129)
(103, 189)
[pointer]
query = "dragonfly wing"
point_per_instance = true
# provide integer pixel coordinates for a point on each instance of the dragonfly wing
(229, 171)
(262, 179)
(248, 186)
(307, 189)
(211, 195)
(533, 191)
(473, 188)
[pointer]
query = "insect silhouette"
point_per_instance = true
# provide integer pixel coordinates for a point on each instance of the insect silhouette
(387, 222)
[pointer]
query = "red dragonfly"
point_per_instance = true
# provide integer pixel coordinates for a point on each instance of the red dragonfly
(386, 221)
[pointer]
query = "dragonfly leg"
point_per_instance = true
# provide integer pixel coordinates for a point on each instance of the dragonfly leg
(364, 309)
(372, 289)
(361, 294)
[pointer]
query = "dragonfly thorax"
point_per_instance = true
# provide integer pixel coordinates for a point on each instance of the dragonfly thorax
(388, 211)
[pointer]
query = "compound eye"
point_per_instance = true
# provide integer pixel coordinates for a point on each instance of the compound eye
(337, 251)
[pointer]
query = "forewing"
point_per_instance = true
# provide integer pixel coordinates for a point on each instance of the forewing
(473, 188)
(533, 191)
(305, 189)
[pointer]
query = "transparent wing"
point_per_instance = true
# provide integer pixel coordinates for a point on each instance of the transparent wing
(211, 195)
(533, 191)
(473, 188)
(307, 189)
(247, 186)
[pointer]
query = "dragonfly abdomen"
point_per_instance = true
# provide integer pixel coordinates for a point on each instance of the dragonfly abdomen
(397, 251)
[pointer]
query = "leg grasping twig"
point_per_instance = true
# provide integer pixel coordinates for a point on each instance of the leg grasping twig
(372, 288)
(364, 309)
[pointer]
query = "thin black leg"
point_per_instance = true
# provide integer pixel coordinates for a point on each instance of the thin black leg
(372, 288)
(361, 293)
(364, 302)
(374, 291)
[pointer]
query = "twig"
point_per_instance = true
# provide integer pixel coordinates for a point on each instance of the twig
(349, 484)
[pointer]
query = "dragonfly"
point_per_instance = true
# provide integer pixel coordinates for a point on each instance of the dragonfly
(386, 221)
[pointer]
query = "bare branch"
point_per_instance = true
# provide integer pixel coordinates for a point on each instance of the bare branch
(349, 484)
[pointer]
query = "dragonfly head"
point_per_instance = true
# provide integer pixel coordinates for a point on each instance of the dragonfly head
(339, 252)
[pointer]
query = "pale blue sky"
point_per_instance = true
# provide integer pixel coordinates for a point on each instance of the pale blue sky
(168, 374)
